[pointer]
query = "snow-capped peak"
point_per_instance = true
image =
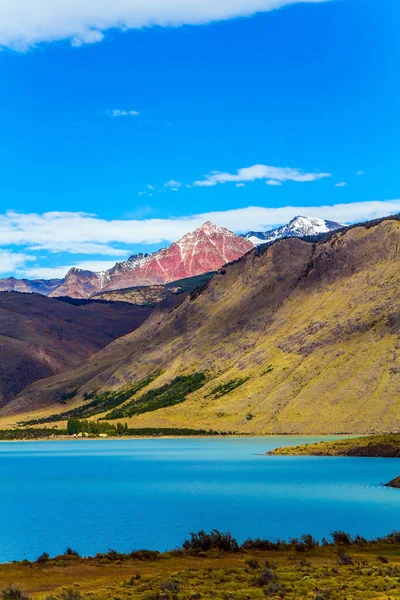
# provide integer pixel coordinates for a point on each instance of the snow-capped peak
(298, 227)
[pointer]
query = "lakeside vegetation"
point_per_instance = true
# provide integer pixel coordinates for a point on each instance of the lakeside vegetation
(94, 429)
(214, 566)
(383, 446)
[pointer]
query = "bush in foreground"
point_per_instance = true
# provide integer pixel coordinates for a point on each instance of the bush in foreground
(203, 542)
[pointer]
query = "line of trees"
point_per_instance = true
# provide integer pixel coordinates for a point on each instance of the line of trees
(76, 426)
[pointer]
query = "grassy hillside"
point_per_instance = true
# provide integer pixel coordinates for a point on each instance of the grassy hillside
(41, 336)
(372, 446)
(296, 337)
(342, 570)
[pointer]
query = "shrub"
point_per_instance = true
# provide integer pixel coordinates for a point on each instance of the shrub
(392, 538)
(259, 544)
(266, 577)
(43, 558)
(383, 559)
(252, 563)
(203, 541)
(341, 538)
(171, 586)
(70, 595)
(344, 559)
(70, 552)
(324, 595)
(13, 593)
(145, 555)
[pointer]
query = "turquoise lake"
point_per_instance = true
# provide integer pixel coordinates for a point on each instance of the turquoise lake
(150, 493)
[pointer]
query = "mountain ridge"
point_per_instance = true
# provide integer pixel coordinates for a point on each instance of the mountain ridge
(299, 226)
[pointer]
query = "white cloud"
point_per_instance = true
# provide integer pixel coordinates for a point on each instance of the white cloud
(360, 172)
(79, 248)
(25, 23)
(341, 184)
(172, 183)
(62, 270)
(256, 172)
(240, 185)
(10, 261)
(124, 113)
(71, 230)
(273, 182)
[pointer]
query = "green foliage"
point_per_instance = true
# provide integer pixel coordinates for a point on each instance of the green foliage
(30, 434)
(100, 403)
(227, 388)
(168, 394)
(269, 369)
(67, 396)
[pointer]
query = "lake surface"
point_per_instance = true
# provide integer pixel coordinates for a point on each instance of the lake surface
(150, 493)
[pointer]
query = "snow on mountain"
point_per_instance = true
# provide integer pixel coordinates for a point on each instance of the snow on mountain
(297, 227)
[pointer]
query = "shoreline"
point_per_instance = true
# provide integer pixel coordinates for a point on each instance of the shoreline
(68, 438)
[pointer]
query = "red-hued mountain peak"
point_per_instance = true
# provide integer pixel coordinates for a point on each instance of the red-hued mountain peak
(205, 249)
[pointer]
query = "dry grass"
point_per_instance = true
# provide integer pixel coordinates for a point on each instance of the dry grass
(374, 573)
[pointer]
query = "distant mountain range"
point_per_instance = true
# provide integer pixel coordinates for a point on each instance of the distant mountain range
(297, 227)
(201, 251)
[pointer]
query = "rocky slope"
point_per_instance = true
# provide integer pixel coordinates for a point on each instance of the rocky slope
(201, 251)
(296, 337)
(395, 483)
(297, 227)
(153, 295)
(40, 337)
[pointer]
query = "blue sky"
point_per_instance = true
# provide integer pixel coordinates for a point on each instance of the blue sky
(111, 147)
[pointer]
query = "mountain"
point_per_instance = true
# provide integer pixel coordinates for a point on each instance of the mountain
(201, 251)
(296, 337)
(297, 227)
(35, 286)
(40, 336)
(204, 250)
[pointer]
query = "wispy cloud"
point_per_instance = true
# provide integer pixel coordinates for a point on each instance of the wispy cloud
(341, 184)
(60, 271)
(11, 261)
(124, 113)
(68, 231)
(23, 24)
(273, 176)
(173, 185)
(360, 172)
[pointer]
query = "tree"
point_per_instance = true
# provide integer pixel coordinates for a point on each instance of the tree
(73, 427)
